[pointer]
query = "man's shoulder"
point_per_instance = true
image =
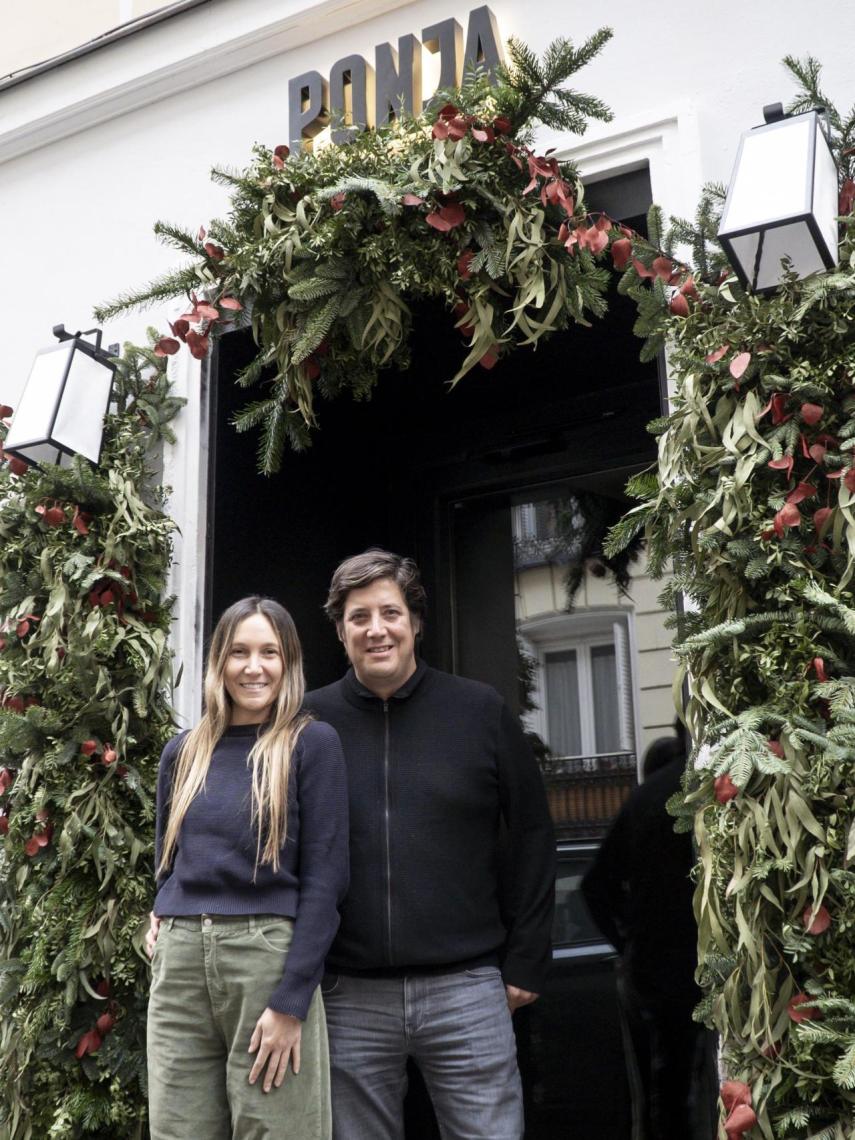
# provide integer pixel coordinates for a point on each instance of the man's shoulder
(316, 699)
(452, 687)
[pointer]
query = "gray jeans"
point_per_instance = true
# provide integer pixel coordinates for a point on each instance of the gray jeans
(211, 980)
(456, 1027)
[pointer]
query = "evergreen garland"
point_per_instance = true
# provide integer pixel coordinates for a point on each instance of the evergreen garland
(85, 688)
(753, 504)
(322, 253)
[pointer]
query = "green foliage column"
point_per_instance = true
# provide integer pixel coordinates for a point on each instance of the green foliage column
(754, 505)
(85, 687)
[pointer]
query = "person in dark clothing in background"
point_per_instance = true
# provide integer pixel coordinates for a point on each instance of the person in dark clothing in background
(639, 891)
(441, 937)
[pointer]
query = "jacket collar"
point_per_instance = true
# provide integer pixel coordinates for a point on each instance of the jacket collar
(357, 693)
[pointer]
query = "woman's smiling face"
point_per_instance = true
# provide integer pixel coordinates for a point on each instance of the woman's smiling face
(254, 668)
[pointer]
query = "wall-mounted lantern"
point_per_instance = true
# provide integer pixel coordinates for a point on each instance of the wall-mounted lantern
(61, 410)
(782, 202)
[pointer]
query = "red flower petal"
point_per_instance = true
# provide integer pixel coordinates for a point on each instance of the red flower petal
(621, 252)
(502, 125)
(819, 924)
(812, 413)
(180, 328)
(679, 305)
(231, 303)
(337, 201)
(90, 1042)
(282, 151)
(785, 463)
(18, 466)
(88, 747)
(490, 358)
(198, 345)
(740, 1121)
(776, 747)
(457, 128)
(725, 789)
(689, 288)
(166, 346)
(214, 251)
(5, 411)
(449, 111)
(412, 200)
(440, 129)
(32, 847)
(483, 134)
(821, 517)
(463, 264)
(734, 1093)
(789, 514)
(799, 1009)
(800, 492)
(641, 269)
(818, 666)
(663, 267)
(206, 312)
(714, 357)
(739, 363)
(105, 1023)
(109, 756)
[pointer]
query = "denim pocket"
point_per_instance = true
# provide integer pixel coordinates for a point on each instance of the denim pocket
(329, 983)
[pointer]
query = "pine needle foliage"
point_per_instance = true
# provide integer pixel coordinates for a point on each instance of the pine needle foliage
(325, 252)
(752, 505)
(84, 712)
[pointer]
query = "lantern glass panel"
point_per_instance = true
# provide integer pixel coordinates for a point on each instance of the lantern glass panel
(37, 406)
(826, 195)
(772, 175)
(80, 420)
(794, 241)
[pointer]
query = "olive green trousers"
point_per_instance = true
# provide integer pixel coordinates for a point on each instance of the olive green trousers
(212, 977)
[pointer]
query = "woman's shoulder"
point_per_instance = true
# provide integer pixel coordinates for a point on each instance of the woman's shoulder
(170, 749)
(318, 736)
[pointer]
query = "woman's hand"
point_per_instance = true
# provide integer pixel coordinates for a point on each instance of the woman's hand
(151, 934)
(276, 1040)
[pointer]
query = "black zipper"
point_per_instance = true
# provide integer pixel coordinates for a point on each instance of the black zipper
(387, 814)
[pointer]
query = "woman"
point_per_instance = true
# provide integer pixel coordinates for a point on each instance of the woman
(251, 849)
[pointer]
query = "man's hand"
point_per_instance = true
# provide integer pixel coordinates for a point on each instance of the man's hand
(151, 934)
(518, 997)
(276, 1040)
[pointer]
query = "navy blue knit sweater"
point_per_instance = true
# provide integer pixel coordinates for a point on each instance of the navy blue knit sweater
(212, 870)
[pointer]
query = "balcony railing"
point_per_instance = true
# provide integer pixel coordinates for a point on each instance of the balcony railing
(585, 793)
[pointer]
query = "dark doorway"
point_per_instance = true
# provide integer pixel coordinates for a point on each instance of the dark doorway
(426, 471)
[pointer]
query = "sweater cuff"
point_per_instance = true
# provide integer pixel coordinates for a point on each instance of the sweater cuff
(292, 998)
(525, 974)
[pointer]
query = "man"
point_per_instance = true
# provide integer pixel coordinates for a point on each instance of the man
(639, 891)
(446, 927)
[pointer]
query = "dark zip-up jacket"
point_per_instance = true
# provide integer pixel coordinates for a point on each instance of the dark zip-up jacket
(451, 844)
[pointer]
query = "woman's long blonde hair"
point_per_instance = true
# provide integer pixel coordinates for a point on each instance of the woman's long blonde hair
(270, 756)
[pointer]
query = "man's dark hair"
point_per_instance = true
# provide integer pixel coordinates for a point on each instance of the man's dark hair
(370, 566)
(663, 751)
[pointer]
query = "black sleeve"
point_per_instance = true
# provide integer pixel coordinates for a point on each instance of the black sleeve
(604, 886)
(528, 884)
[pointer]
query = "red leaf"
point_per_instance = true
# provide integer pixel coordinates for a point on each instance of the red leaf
(105, 1023)
(54, 516)
(200, 236)
(230, 303)
(81, 521)
(800, 492)
(740, 1121)
(412, 200)
(714, 357)
(817, 452)
(776, 747)
(43, 837)
(812, 413)
(206, 312)
(5, 411)
(689, 288)
(785, 463)
(277, 162)
(457, 128)
(483, 134)
(4, 823)
(107, 597)
(18, 466)
(463, 264)
(847, 197)
(734, 1093)
(679, 305)
(789, 514)
(337, 201)
(818, 666)
(109, 756)
(180, 328)
(449, 111)
(621, 253)
(90, 1042)
(214, 251)
(440, 129)
(821, 517)
(32, 846)
(6, 779)
(198, 345)
(88, 747)
(502, 125)
(166, 346)
(282, 151)
(725, 789)
(663, 267)
(778, 404)
(818, 924)
(490, 358)
(447, 217)
(22, 628)
(739, 364)
(800, 1009)
(641, 269)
